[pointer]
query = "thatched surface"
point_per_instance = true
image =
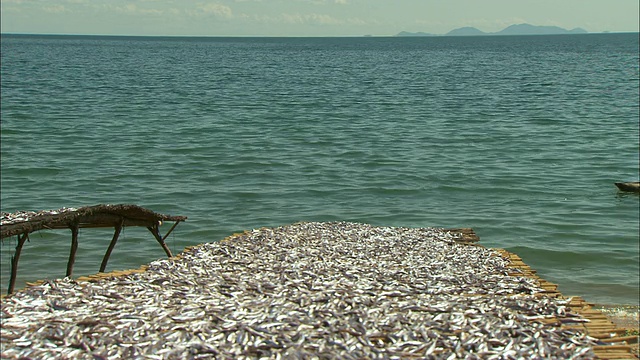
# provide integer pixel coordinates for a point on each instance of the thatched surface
(88, 216)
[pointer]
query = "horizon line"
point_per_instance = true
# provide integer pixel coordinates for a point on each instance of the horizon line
(311, 36)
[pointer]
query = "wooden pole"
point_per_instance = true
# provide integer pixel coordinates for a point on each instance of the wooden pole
(156, 233)
(112, 244)
(170, 230)
(14, 261)
(74, 248)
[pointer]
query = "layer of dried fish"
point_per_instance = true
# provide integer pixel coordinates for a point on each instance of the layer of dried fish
(307, 290)
(23, 216)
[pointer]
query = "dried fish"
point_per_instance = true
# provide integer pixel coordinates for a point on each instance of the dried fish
(307, 290)
(23, 216)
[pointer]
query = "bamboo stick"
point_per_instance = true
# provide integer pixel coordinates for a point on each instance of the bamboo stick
(611, 347)
(632, 339)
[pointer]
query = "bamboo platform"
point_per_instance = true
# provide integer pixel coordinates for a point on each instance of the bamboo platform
(21, 224)
(615, 345)
(612, 342)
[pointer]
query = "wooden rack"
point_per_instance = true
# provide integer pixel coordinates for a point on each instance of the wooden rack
(98, 216)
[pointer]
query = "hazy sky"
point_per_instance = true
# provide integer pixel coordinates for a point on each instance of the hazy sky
(307, 17)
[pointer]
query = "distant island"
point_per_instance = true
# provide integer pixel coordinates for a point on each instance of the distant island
(520, 29)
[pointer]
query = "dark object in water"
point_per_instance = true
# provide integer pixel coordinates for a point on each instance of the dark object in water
(629, 186)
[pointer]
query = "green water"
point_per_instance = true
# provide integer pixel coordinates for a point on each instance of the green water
(520, 138)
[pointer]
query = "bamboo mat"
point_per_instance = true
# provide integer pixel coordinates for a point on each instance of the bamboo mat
(616, 345)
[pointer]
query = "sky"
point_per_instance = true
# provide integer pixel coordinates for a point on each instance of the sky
(307, 17)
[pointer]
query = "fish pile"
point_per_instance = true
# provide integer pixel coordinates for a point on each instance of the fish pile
(23, 216)
(306, 290)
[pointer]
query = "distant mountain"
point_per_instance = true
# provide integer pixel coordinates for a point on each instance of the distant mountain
(519, 29)
(527, 29)
(420, 33)
(465, 31)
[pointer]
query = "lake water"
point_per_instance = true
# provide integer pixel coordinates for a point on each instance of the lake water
(518, 137)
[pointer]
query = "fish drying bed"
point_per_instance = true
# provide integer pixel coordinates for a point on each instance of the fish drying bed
(317, 291)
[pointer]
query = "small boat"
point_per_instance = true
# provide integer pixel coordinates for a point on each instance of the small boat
(629, 186)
